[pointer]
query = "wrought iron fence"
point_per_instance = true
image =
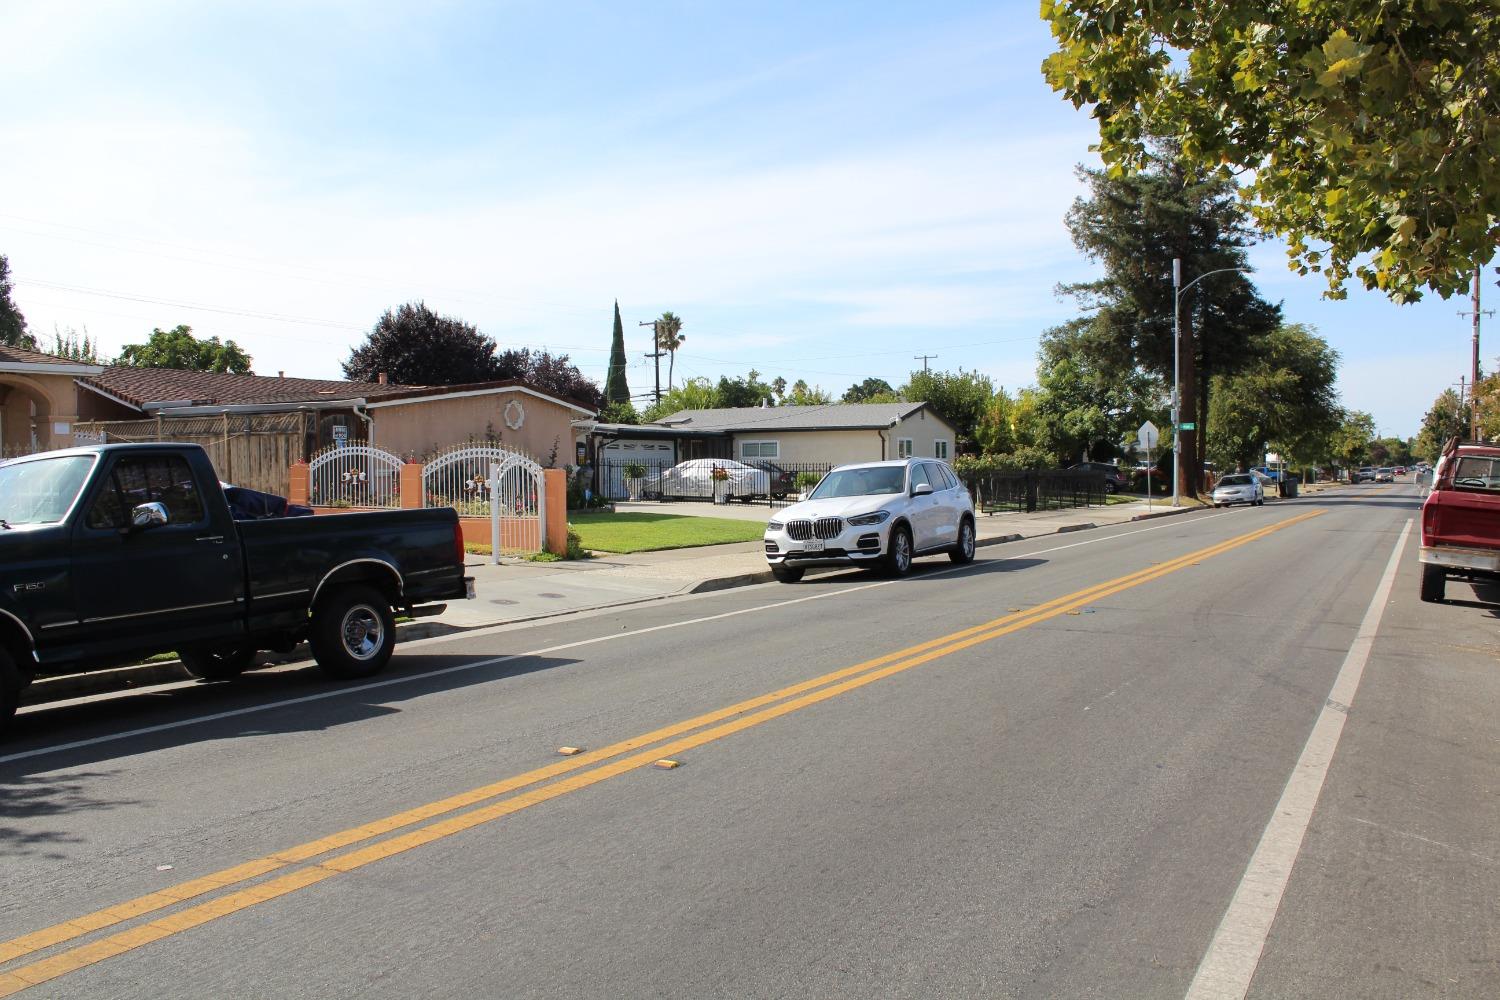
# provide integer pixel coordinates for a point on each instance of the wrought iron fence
(1035, 490)
(710, 480)
(354, 475)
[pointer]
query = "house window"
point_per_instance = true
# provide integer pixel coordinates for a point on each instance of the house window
(940, 449)
(760, 449)
(903, 448)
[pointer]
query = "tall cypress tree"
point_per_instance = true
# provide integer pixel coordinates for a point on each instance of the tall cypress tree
(615, 388)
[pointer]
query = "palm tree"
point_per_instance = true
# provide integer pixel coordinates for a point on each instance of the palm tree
(669, 337)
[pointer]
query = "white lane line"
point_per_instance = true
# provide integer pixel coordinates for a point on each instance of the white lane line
(346, 690)
(1232, 957)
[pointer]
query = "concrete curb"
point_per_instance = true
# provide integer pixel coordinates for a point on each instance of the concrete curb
(125, 678)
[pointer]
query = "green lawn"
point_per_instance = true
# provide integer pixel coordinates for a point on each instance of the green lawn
(640, 532)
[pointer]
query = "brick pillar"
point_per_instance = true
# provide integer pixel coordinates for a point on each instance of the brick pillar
(555, 482)
(298, 484)
(411, 485)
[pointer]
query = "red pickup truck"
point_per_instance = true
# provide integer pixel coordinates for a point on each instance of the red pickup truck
(1461, 517)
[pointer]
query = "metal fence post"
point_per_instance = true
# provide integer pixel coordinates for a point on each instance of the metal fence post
(494, 512)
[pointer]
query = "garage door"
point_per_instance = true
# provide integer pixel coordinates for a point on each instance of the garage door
(654, 455)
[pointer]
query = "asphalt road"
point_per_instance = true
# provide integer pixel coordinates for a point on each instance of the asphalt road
(1220, 754)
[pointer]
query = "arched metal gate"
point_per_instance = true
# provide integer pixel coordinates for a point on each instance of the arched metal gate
(488, 481)
(355, 475)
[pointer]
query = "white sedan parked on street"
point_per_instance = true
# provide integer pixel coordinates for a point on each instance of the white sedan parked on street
(1239, 487)
(881, 514)
(696, 479)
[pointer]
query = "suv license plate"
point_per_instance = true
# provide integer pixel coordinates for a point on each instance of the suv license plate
(813, 545)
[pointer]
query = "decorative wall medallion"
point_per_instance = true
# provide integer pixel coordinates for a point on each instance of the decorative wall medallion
(515, 414)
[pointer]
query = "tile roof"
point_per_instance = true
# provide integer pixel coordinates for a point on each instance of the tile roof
(21, 356)
(831, 417)
(153, 385)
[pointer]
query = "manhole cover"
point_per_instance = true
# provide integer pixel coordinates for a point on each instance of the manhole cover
(501, 600)
(549, 595)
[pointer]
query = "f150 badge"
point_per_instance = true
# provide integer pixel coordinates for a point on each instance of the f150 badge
(23, 587)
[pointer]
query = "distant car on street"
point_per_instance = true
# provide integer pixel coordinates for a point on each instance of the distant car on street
(1239, 487)
(1363, 474)
(1385, 474)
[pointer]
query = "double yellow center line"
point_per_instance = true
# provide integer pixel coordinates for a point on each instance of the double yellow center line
(574, 773)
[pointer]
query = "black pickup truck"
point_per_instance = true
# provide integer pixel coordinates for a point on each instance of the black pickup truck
(112, 553)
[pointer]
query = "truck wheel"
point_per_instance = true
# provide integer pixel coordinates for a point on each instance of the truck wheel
(1434, 580)
(353, 632)
(223, 663)
(11, 686)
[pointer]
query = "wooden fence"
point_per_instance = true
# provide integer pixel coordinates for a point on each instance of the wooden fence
(253, 450)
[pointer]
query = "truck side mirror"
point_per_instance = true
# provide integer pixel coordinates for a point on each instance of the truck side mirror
(148, 515)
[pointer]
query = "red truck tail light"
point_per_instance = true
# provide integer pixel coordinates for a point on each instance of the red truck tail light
(458, 542)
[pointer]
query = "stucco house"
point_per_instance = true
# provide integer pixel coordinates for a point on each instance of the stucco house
(38, 400)
(833, 434)
(411, 421)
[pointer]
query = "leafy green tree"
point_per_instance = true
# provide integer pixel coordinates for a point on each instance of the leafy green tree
(178, 348)
(960, 398)
(868, 391)
(12, 323)
(694, 394)
(1088, 408)
(412, 345)
(803, 395)
(669, 337)
(1367, 130)
(1284, 397)
(1135, 226)
(75, 347)
(747, 391)
(616, 389)
(1351, 442)
(1448, 418)
(550, 373)
(619, 413)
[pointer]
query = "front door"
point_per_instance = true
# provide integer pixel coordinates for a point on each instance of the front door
(132, 585)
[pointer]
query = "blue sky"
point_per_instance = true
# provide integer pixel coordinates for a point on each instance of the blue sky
(820, 191)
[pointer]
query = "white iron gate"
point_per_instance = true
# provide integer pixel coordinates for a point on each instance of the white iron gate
(354, 475)
(489, 481)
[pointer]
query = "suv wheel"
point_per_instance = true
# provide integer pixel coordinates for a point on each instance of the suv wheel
(787, 574)
(898, 552)
(963, 549)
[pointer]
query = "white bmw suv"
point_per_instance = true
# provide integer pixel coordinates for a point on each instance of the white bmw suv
(880, 514)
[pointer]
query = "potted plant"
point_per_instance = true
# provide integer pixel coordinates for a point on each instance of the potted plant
(634, 473)
(720, 476)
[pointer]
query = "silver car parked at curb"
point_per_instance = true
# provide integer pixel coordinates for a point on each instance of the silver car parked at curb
(1239, 487)
(880, 514)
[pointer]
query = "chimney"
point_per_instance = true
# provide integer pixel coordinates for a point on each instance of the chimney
(380, 378)
(281, 374)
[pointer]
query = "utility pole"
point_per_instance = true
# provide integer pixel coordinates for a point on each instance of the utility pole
(1476, 312)
(924, 358)
(657, 354)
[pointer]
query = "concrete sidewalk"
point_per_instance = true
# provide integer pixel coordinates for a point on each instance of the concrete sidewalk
(516, 590)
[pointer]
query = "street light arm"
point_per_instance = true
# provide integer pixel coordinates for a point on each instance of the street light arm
(1210, 274)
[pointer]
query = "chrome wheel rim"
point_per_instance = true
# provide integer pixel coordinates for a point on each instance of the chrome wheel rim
(362, 631)
(968, 539)
(903, 552)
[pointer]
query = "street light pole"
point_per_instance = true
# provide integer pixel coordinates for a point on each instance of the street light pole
(1178, 290)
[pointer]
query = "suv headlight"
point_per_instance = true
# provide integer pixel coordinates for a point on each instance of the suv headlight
(774, 525)
(879, 517)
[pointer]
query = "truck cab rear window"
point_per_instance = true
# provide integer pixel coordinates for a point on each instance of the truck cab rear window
(1477, 472)
(164, 479)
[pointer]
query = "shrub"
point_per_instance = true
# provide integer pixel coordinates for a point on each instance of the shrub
(808, 481)
(575, 548)
(635, 470)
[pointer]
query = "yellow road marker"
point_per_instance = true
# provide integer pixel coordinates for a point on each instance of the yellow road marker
(569, 751)
(818, 690)
(666, 764)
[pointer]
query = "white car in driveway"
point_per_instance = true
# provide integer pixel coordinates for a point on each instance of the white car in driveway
(881, 514)
(1239, 487)
(696, 479)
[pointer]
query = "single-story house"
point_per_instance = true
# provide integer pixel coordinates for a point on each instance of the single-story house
(832, 434)
(411, 421)
(38, 400)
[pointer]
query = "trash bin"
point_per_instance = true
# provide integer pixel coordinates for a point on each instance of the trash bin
(1287, 487)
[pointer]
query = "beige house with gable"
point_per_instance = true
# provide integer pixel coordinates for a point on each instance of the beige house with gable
(38, 400)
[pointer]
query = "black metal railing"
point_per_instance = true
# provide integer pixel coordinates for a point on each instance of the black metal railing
(1036, 490)
(708, 480)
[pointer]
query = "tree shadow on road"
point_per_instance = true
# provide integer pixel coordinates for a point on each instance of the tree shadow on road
(31, 798)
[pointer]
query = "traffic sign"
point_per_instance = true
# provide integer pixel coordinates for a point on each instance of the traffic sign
(1149, 435)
